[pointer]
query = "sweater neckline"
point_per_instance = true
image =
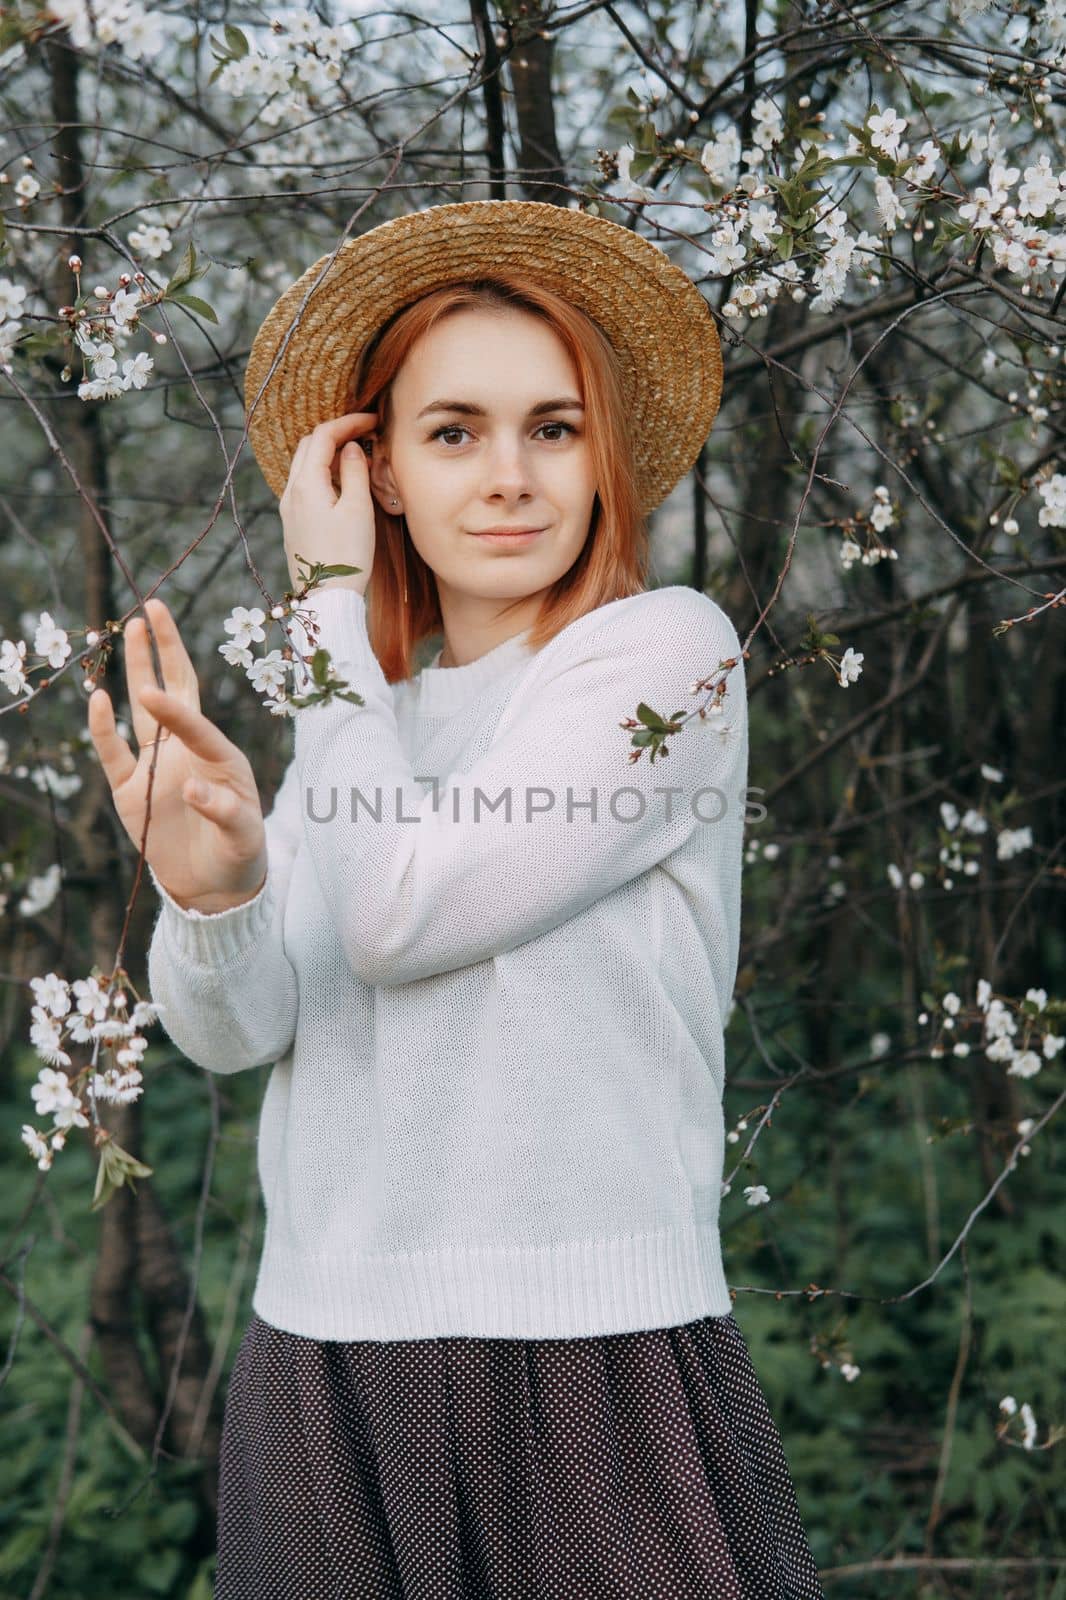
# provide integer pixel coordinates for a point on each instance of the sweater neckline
(449, 688)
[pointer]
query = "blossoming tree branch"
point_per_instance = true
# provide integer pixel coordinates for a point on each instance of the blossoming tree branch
(885, 254)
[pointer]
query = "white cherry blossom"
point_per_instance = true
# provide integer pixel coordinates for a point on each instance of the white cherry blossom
(886, 130)
(1011, 841)
(246, 625)
(850, 667)
(51, 641)
(12, 670)
(12, 298)
(151, 240)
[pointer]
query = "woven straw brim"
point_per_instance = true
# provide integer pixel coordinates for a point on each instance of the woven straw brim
(658, 322)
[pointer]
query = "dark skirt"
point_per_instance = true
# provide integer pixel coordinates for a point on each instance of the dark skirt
(619, 1466)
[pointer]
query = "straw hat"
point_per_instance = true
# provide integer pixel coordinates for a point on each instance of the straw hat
(650, 310)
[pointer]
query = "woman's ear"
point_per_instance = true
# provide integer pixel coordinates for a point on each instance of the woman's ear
(381, 479)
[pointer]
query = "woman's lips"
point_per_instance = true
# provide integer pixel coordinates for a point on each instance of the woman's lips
(510, 538)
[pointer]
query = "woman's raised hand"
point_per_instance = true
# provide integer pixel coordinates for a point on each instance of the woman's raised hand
(206, 841)
(320, 524)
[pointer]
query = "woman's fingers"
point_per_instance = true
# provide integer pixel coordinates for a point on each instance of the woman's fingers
(116, 757)
(314, 467)
(179, 676)
(139, 676)
(196, 732)
(354, 476)
(213, 801)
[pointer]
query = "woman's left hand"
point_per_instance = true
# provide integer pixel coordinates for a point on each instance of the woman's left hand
(319, 524)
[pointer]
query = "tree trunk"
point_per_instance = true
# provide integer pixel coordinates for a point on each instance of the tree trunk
(531, 75)
(136, 1249)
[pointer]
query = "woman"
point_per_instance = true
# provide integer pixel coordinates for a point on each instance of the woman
(492, 1350)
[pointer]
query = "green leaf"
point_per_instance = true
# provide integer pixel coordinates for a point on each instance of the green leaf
(815, 640)
(650, 718)
(185, 270)
(24, 1543)
(13, 29)
(116, 1167)
(315, 571)
(160, 1573)
(39, 344)
(236, 41)
(191, 301)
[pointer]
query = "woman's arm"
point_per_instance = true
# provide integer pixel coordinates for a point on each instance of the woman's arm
(227, 988)
(414, 890)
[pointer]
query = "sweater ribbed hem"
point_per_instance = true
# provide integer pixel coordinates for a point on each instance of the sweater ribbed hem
(212, 939)
(579, 1289)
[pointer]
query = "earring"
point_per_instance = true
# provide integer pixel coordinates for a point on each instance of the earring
(403, 552)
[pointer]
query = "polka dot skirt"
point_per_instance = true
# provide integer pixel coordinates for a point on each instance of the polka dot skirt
(632, 1466)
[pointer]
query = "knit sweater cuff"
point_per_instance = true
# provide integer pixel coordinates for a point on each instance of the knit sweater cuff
(212, 939)
(343, 629)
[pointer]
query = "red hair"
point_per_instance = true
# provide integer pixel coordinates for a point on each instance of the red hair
(613, 560)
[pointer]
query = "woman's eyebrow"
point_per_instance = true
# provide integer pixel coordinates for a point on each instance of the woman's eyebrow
(466, 409)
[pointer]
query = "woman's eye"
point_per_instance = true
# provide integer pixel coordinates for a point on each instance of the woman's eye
(455, 427)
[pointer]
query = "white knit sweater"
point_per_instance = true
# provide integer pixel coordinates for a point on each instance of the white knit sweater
(496, 1038)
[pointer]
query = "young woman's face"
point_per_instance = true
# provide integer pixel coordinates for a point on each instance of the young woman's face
(489, 461)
